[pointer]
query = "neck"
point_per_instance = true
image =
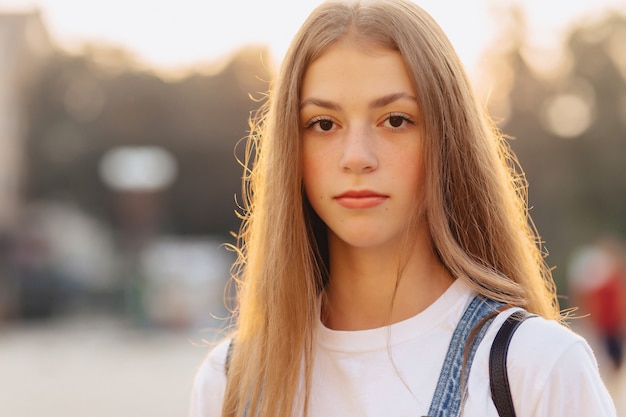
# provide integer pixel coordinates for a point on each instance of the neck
(371, 288)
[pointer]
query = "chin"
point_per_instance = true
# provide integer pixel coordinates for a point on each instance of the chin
(366, 241)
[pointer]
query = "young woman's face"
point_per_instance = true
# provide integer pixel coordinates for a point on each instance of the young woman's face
(362, 144)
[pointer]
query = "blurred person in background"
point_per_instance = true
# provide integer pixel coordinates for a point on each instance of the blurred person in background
(384, 230)
(597, 277)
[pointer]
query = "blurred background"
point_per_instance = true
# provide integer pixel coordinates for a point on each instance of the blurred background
(120, 128)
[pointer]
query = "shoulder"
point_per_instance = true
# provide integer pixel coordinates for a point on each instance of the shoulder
(216, 358)
(210, 383)
(553, 371)
(546, 343)
(544, 340)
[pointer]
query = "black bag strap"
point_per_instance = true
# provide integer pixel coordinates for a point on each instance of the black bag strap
(498, 375)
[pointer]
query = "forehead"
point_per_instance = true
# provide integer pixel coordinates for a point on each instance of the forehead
(349, 67)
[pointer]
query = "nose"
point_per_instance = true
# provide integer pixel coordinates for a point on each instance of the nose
(358, 153)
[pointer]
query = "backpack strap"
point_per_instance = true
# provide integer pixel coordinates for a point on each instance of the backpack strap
(498, 375)
(452, 385)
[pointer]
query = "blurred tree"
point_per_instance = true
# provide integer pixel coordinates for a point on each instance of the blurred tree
(568, 129)
(87, 104)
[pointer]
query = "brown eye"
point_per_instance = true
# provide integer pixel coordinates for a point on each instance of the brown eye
(326, 125)
(322, 124)
(396, 121)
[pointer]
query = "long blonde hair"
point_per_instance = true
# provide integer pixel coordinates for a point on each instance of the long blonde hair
(477, 210)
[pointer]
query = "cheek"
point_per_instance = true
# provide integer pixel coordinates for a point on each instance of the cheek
(420, 184)
(409, 167)
(411, 175)
(315, 162)
(312, 181)
(418, 174)
(311, 173)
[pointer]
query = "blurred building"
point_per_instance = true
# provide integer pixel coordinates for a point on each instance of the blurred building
(24, 44)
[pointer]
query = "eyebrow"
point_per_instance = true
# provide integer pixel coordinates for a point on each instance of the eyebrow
(374, 104)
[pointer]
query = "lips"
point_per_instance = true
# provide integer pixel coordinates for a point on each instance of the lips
(360, 199)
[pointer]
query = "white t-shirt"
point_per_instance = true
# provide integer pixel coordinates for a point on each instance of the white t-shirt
(393, 371)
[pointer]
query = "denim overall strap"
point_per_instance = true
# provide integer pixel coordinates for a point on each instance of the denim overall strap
(448, 397)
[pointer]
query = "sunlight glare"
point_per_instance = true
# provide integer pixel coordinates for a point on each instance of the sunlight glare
(568, 115)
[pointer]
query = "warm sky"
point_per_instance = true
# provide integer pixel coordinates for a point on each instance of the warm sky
(178, 33)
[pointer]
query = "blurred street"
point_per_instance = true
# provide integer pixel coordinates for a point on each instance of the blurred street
(96, 367)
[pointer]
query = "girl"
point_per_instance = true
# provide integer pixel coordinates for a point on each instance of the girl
(383, 210)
